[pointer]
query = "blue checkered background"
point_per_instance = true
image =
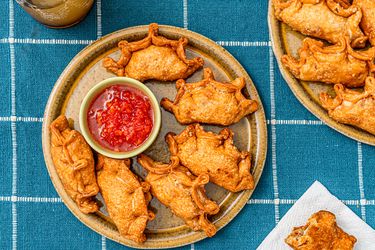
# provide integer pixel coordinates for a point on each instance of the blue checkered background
(301, 148)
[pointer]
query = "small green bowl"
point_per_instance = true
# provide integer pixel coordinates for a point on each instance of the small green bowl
(94, 92)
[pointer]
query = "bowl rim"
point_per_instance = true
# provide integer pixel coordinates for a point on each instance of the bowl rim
(93, 93)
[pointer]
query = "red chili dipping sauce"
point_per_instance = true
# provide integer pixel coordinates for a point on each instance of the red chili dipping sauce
(120, 118)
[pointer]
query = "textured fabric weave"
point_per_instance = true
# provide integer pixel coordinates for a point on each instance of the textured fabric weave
(301, 148)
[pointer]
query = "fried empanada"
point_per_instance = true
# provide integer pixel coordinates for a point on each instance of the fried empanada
(125, 196)
(209, 101)
(368, 19)
(320, 232)
(175, 187)
(74, 163)
(213, 154)
(325, 19)
(331, 64)
(154, 57)
(353, 107)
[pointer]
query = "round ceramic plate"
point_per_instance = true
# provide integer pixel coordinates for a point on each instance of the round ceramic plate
(287, 41)
(86, 70)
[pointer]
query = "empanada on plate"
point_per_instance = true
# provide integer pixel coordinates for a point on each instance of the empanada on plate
(213, 154)
(324, 19)
(209, 101)
(126, 197)
(331, 64)
(175, 187)
(352, 107)
(154, 57)
(74, 163)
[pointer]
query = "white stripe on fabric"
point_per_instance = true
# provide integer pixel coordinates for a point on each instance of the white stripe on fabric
(185, 14)
(99, 34)
(360, 181)
(270, 201)
(13, 124)
(20, 119)
(273, 136)
(104, 243)
(45, 41)
(260, 201)
(39, 199)
(273, 122)
(98, 18)
(5, 198)
(14, 157)
(11, 19)
(251, 201)
(292, 201)
(30, 199)
(14, 226)
(244, 43)
(295, 122)
(12, 79)
(29, 119)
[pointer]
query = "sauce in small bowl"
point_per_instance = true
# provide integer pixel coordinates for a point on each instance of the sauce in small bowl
(120, 117)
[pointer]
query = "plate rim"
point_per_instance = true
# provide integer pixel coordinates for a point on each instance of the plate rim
(241, 200)
(295, 86)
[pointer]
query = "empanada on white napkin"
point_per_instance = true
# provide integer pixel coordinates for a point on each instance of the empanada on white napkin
(317, 198)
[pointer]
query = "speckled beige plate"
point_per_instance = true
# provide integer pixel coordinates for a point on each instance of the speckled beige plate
(85, 70)
(286, 41)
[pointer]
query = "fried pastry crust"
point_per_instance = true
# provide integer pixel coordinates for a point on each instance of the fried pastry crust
(213, 154)
(125, 196)
(368, 19)
(209, 101)
(74, 162)
(325, 19)
(154, 57)
(320, 232)
(175, 187)
(331, 64)
(353, 107)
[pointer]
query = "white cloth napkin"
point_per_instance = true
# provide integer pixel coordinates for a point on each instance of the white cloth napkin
(317, 198)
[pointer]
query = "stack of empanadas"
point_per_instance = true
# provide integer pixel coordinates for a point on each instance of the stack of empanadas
(346, 26)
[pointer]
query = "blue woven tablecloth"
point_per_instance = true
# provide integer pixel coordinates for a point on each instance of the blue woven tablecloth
(301, 148)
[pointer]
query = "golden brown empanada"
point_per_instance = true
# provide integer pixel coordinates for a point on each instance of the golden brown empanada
(320, 232)
(175, 187)
(368, 19)
(213, 154)
(74, 162)
(353, 107)
(209, 101)
(325, 19)
(125, 196)
(331, 64)
(154, 57)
